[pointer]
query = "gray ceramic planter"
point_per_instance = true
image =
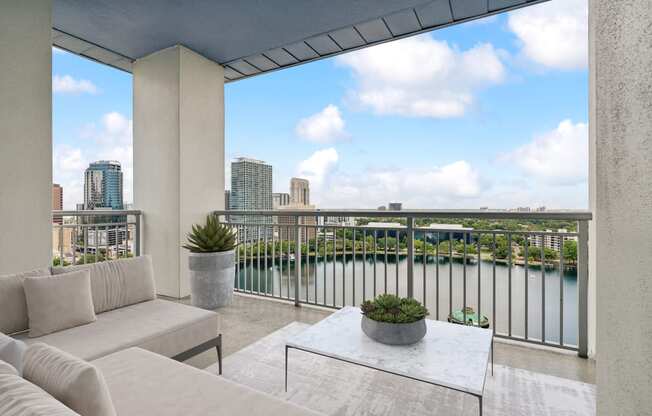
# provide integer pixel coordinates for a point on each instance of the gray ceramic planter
(211, 279)
(394, 334)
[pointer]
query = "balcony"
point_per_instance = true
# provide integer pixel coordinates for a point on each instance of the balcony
(538, 318)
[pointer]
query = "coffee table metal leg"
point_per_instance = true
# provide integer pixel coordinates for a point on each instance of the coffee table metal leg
(286, 368)
(492, 356)
(480, 402)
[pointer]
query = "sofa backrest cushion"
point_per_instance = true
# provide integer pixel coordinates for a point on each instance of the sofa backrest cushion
(60, 302)
(118, 283)
(12, 351)
(19, 397)
(74, 382)
(13, 308)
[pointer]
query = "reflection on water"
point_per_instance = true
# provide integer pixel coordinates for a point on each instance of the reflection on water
(349, 282)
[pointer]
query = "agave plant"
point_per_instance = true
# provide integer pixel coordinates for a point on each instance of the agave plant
(214, 237)
(393, 309)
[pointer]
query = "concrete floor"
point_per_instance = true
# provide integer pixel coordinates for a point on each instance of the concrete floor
(250, 318)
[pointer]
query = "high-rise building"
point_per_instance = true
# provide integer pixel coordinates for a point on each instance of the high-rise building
(395, 206)
(57, 202)
(103, 185)
(307, 224)
(227, 199)
(280, 199)
(251, 189)
(299, 191)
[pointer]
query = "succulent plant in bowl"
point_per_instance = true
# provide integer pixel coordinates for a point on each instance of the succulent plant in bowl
(392, 320)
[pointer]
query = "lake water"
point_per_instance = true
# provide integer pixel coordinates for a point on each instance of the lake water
(348, 282)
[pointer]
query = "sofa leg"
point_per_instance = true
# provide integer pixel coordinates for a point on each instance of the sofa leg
(219, 353)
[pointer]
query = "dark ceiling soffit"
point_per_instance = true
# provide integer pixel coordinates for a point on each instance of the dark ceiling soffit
(526, 3)
(316, 38)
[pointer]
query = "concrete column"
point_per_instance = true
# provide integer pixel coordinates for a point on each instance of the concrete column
(621, 112)
(178, 155)
(25, 135)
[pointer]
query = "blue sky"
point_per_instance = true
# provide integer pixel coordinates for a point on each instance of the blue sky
(491, 113)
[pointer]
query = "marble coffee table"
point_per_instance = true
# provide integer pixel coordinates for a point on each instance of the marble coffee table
(450, 355)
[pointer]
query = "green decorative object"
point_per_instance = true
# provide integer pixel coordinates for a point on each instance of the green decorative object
(394, 310)
(214, 237)
(457, 317)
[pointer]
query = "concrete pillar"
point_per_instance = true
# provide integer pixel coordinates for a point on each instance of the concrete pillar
(25, 135)
(621, 112)
(178, 155)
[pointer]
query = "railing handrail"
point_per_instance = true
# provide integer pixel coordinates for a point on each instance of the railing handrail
(96, 213)
(570, 215)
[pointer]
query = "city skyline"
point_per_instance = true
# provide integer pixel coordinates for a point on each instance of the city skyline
(474, 143)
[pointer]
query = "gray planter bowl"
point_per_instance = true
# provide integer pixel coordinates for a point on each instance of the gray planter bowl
(394, 334)
(212, 276)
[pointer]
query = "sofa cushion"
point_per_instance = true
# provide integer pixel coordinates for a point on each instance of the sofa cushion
(74, 382)
(19, 397)
(118, 283)
(13, 308)
(144, 383)
(60, 302)
(161, 326)
(6, 368)
(12, 351)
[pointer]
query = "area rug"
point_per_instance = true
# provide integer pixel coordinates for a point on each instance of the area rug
(337, 388)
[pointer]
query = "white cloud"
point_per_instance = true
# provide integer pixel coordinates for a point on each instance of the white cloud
(553, 34)
(422, 77)
(557, 157)
(443, 186)
(110, 139)
(69, 85)
(323, 127)
(319, 166)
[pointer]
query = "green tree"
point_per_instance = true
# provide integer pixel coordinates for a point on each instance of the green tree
(570, 251)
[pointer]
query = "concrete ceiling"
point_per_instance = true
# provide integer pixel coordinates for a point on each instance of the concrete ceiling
(250, 37)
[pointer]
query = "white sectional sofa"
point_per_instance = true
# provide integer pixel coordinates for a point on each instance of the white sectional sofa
(128, 315)
(133, 348)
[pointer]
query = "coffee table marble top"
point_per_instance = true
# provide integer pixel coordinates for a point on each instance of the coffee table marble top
(450, 355)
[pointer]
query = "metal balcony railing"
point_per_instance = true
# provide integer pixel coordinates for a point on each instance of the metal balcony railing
(531, 286)
(81, 237)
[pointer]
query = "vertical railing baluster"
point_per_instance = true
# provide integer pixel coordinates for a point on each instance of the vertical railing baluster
(61, 233)
(364, 265)
(288, 236)
(343, 266)
(479, 263)
(437, 278)
(561, 290)
(266, 265)
(316, 258)
(325, 261)
(410, 254)
(137, 235)
(543, 292)
(464, 235)
(251, 259)
(334, 265)
(297, 263)
(509, 284)
(385, 291)
(493, 285)
(425, 262)
(95, 243)
(353, 268)
(258, 258)
(527, 292)
(450, 274)
(583, 288)
(398, 256)
(375, 261)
